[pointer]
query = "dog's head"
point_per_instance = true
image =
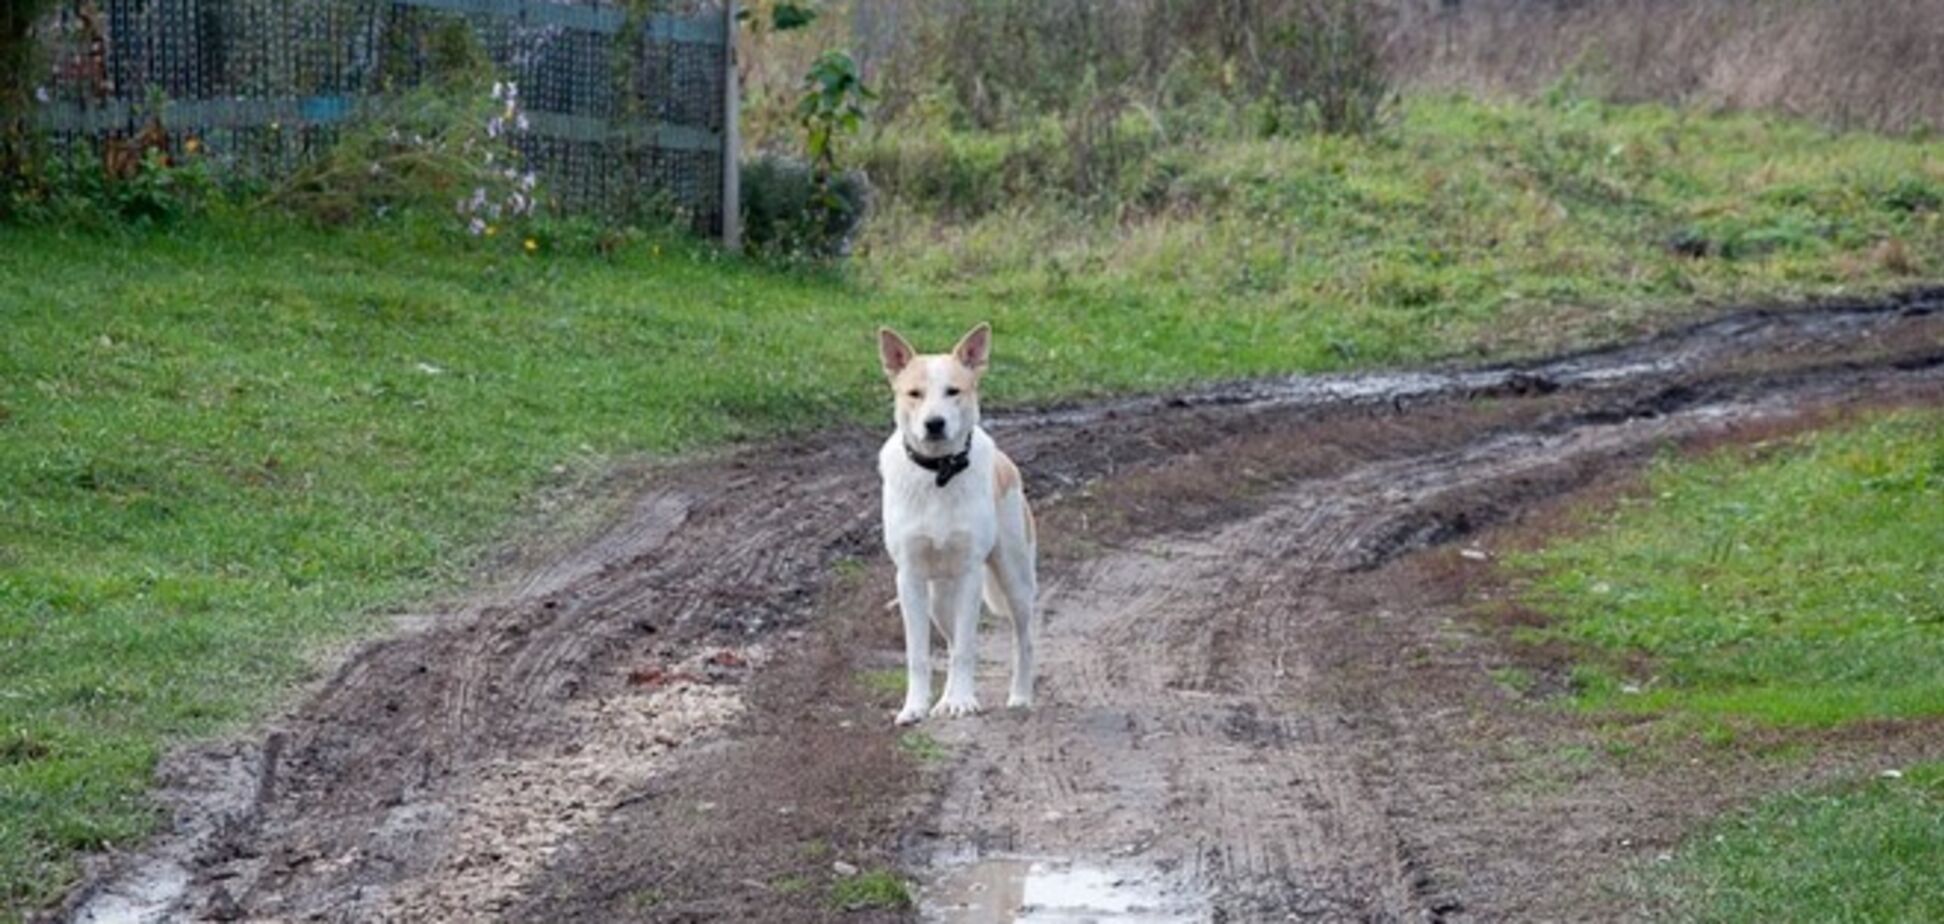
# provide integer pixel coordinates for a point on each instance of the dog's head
(936, 395)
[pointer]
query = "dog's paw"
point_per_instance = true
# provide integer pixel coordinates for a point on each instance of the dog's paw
(1019, 701)
(911, 715)
(954, 707)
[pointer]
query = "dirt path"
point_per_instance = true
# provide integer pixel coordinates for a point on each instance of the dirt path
(1260, 701)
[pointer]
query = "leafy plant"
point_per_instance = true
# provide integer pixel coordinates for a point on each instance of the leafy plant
(153, 189)
(874, 889)
(811, 208)
(831, 106)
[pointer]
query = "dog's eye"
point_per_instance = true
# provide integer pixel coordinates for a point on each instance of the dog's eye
(914, 393)
(951, 392)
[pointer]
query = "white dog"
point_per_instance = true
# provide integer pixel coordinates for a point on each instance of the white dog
(956, 523)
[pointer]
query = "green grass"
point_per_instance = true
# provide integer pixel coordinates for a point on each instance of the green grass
(873, 889)
(1867, 852)
(225, 446)
(922, 747)
(1804, 590)
(1467, 227)
(884, 683)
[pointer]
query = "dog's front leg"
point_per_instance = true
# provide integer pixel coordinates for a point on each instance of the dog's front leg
(914, 598)
(959, 598)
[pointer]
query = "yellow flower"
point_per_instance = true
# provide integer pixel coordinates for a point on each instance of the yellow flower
(532, 245)
(193, 145)
(491, 230)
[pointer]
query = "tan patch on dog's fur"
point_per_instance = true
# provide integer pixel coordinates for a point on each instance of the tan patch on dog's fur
(909, 379)
(916, 375)
(1005, 475)
(1005, 480)
(963, 378)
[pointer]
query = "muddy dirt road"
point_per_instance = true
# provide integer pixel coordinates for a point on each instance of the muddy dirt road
(1264, 694)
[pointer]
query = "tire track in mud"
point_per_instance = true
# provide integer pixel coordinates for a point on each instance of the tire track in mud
(1192, 722)
(1187, 723)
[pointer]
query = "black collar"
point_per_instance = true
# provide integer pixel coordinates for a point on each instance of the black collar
(947, 467)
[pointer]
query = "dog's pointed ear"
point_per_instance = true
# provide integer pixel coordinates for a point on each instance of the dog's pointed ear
(975, 347)
(894, 351)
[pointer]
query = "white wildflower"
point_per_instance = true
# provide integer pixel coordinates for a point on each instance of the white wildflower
(476, 226)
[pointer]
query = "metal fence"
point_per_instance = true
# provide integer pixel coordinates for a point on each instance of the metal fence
(628, 101)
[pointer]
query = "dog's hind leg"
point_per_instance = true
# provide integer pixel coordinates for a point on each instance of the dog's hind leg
(941, 626)
(1010, 590)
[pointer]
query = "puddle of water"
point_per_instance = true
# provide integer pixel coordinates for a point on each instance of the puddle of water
(1023, 890)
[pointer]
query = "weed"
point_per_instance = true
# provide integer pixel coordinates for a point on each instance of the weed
(921, 746)
(884, 683)
(870, 889)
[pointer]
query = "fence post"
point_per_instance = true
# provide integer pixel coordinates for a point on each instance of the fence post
(731, 135)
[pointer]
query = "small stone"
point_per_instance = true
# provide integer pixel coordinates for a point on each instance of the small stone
(1474, 554)
(1891, 774)
(843, 869)
(222, 907)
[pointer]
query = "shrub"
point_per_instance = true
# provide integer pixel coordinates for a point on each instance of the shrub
(1327, 61)
(151, 189)
(446, 145)
(787, 214)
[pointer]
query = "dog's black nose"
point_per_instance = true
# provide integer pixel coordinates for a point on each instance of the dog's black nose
(934, 426)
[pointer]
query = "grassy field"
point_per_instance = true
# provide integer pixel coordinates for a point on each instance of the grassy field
(225, 445)
(1862, 852)
(1467, 228)
(1803, 590)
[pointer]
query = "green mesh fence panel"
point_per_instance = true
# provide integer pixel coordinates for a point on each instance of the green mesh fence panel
(625, 98)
